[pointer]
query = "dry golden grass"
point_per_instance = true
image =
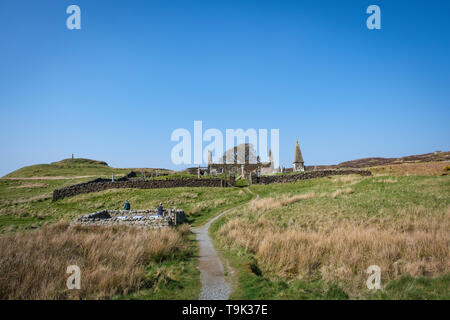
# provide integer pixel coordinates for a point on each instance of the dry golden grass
(264, 204)
(30, 186)
(398, 223)
(424, 169)
(339, 192)
(31, 199)
(388, 180)
(112, 260)
(188, 195)
(348, 179)
(200, 206)
(341, 250)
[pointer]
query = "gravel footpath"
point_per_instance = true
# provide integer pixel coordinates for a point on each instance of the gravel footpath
(214, 285)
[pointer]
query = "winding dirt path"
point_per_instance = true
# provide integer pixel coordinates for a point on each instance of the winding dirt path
(214, 284)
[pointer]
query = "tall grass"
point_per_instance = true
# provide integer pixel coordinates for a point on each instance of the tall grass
(341, 251)
(421, 168)
(265, 204)
(112, 260)
(334, 235)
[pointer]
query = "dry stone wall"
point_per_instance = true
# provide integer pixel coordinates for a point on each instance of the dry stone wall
(105, 184)
(136, 218)
(101, 184)
(284, 178)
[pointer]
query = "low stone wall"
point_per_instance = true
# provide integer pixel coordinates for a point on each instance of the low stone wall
(137, 218)
(105, 184)
(283, 178)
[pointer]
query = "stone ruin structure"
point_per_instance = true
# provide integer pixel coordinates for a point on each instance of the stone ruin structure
(298, 164)
(294, 177)
(245, 163)
(136, 218)
(240, 160)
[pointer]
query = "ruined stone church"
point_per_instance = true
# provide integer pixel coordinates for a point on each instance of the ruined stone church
(243, 161)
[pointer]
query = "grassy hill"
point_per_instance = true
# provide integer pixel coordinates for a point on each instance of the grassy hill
(437, 156)
(311, 239)
(134, 263)
(77, 168)
(67, 168)
(314, 239)
(80, 162)
(74, 168)
(139, 264)
(34, 231)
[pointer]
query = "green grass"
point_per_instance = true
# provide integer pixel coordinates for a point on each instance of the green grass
(419, 288)
(15, 223)
(381, 200)
(250, 284)
(26, 204)
(21, 208)
(68, 167)
(21, 190)
(177, 279)
(241, 183)
(371, 197)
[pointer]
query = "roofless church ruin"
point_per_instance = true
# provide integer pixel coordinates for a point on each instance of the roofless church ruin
(243, 161)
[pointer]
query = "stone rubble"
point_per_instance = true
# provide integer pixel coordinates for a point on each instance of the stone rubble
(138, 218)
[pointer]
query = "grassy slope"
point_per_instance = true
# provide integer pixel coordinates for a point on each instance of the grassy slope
(26, 204)
(378, 201)
(176, 279)
(25, 195)
(113, 261)
(33, 206)
(180, 278)
(67, 167)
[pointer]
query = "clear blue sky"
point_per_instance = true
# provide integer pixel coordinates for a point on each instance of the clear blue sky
(116, 89)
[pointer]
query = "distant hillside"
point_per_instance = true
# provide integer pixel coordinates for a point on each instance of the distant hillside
(373, 162)
(79, 162)
(77, 167)
(67, 167)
